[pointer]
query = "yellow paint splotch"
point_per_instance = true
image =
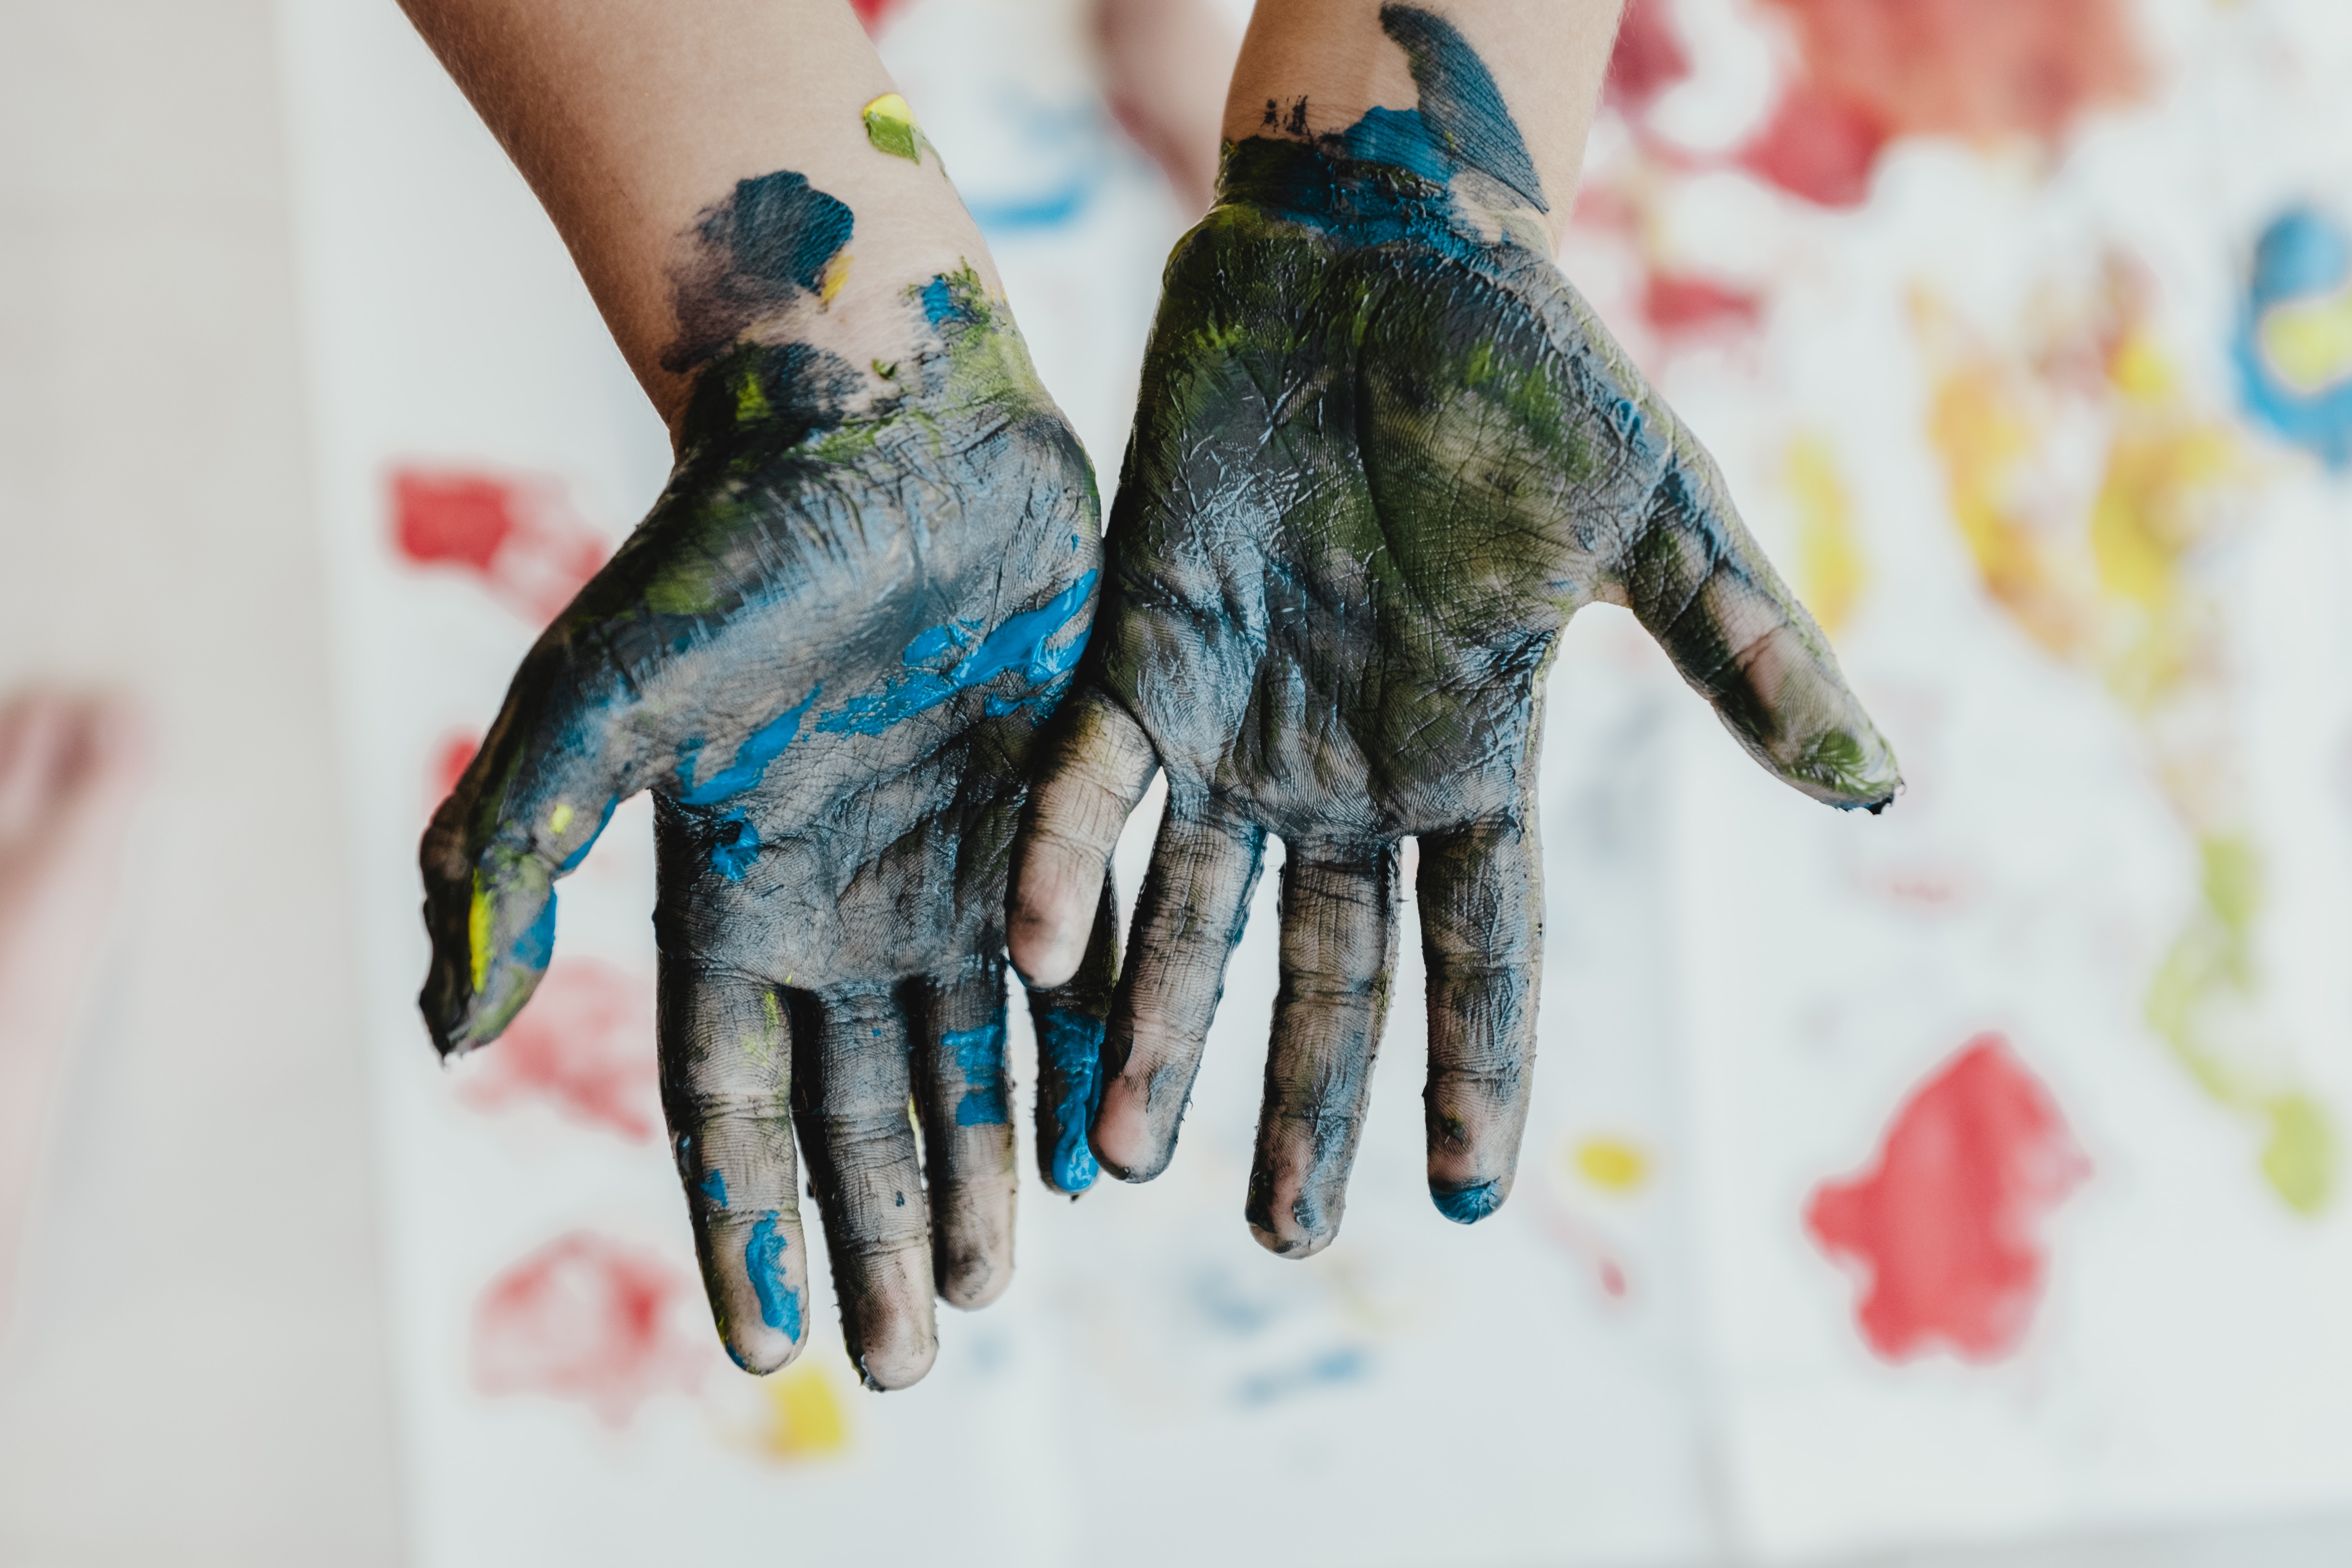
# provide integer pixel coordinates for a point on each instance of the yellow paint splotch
(1613, 1164)
(804, 1418)
(1831, 570)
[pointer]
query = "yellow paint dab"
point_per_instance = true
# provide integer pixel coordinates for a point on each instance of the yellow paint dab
(478, 923)
(1831, 568)
(804, 1418)
(836, 273)
(2309, 342)
(890, 126)
(560, 818)
(1612, 1164)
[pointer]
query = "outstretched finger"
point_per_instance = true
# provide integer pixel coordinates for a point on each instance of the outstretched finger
(1097, 764)
(1339, 952)
(726, 1069)
(1194, 901)
(530, 805)
(1069, 1019)
(963, 1090)
(1480, 890)
(1699, 583)
(850, 1089)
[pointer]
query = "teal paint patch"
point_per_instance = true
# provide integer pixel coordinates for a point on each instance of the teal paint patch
(980, 1056)
(763, 1261)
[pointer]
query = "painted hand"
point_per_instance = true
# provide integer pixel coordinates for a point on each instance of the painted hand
(1384, 452)
(824, 652)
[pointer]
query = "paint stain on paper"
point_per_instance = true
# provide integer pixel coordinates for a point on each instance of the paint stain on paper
(1832, 571)
(2294, 344)
(517, 534)
(1942, 1230)
(2104, 564)
(584, 1048)
(589, 1320)
(1984, 70)
(803, 1418)
(1616, 1165)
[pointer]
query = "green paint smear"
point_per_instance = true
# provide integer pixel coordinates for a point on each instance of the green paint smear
(2212, 964)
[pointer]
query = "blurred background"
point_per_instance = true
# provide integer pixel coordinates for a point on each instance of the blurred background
(1961, 1186)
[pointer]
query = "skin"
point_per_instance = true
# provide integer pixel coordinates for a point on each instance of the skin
(1383, 452)
(824, 651)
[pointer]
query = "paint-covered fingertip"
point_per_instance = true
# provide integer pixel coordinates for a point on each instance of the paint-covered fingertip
(1045, 947)
(1468, 1206)
(769, 1353)
(887, 1371)
(1297, 1248)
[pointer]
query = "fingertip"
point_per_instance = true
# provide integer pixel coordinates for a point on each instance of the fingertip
(761, 1351)
(1046, 945)
(900, 1363)
(968, 1284)
(1469, 1205)
(1122, 1139)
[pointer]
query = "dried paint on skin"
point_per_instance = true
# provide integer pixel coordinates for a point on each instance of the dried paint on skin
(2294, 344)
(1943, 1228)
(517, 534)
(590, 1319)
(584, 1050)
(1383, 452)
(1984, 70)
(2108, 580)
(824, 652)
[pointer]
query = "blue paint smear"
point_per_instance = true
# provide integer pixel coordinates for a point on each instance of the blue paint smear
(737, 847)
(764, 1260)
(1042, 212)
(536, 945)
(980, 1056)
(714, 1187)
(572, 861)
(1346, 1364)
(1401, 139)
(761, 747)
(1072, 1044)
(2302, 253)
(1467, 1206)
(1025, 643)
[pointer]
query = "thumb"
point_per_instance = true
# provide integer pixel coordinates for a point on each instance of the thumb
(559, 758)
(1699, 584)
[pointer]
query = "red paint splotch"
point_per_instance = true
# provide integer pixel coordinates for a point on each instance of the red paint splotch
(1943, 1228)
(1680, 306)
(1871, 70)
(1649, 57)
(516, 533)
(874, 14)
(584, 1048)
(589, 1319)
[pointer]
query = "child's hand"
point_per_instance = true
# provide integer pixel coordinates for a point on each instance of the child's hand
(824, 652)
(1384, 452)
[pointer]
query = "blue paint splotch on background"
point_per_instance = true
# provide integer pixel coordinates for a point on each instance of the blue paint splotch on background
(2303, 257)
(762, 746)
(1038, 644)
(1467, 1206)
(763, 1261)
(1072, 1046)
(1343, 1365)
(980, 1056)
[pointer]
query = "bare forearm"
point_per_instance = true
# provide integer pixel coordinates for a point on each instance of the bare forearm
(630, 119)
(1316, 66)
